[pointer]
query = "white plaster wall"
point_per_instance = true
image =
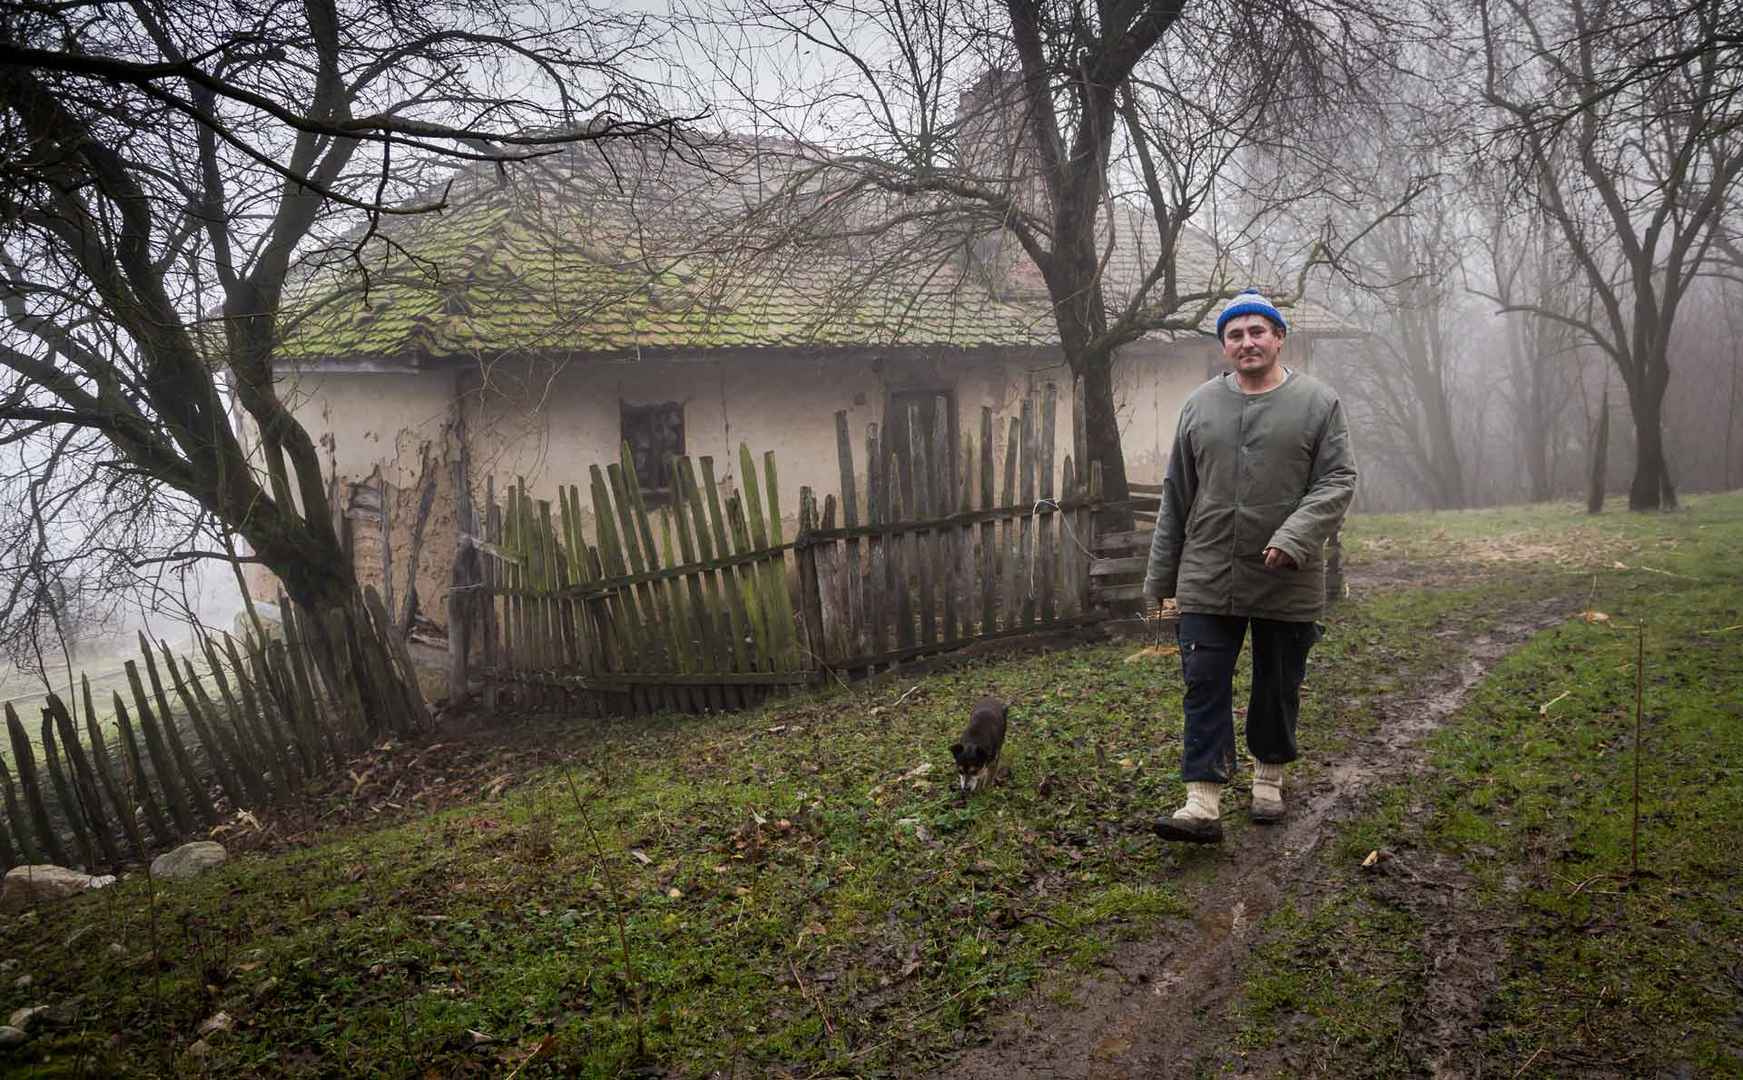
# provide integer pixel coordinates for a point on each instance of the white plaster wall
(372, 419)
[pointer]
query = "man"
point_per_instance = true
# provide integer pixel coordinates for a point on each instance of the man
(1260, 476)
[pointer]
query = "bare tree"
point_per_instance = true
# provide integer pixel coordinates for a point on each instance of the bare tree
(1076, 140)
(165, 165)
(1621, 119)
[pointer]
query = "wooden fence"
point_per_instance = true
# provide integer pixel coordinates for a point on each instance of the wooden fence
(249, 724)
(947, 545)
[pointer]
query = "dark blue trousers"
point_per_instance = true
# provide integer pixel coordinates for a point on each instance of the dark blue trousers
(1209, 646)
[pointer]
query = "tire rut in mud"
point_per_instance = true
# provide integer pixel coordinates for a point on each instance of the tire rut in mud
(1159, 1006)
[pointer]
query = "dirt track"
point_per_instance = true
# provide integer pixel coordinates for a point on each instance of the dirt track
(1157, 1010)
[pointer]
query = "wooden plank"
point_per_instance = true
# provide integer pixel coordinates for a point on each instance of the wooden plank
(1130, 564)
(1111, 593)
(854, 615)
(271, 747)
(269, 697)
(417, 710)
(219, 754)
(1045, 525)
(1079, 429)
(252, 742)
(30, 786)
(896, 565)
(727, 620)
(632, 646)
(875, 589)
(1121, 542)
(944, 493)
(90, 794)
(302, 671)
(163, 766)
(751, 581)
(837, 586)
(771, 589)
(83, 842)
(1010, 575)
(921, 544)
(1087, 517)
(8, 853)
(1072, 561)
(299, 709)
(106, 777)
(509, 564)
(254, 789)
(198, 798)
(777, 565)
(1026, 524)
(705, 602)
(740, 580)
(24, 839)
(639, 542)
(1144, 489)
(989, 557)
(810, 587)
(490, 565)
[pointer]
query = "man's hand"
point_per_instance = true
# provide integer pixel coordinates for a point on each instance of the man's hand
(1278, 559)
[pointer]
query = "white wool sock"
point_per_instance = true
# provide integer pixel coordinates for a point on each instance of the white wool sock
(1267, 781)
(1203, 801)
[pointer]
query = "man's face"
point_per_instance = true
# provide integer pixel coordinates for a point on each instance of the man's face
(1251, 343)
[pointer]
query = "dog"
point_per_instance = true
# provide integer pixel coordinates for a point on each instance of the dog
(977, 751)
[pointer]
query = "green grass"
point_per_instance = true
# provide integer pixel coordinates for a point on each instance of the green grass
(1531, 810)
(798, 898)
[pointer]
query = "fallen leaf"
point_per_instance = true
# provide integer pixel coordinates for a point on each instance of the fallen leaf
(1373, 857)
(675, 894)
(641, 856)
(1594, 616)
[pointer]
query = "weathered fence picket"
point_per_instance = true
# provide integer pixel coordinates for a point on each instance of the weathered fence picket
(929, 553)
(185, 761)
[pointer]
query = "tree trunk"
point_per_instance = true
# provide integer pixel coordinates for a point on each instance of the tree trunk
(1651, 489)
(1102, 439)
(1600, 458)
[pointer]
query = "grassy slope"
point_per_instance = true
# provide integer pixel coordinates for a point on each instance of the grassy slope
(789, 901)
(1529, 810)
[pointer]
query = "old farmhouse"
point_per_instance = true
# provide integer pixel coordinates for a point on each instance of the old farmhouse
(642, 294)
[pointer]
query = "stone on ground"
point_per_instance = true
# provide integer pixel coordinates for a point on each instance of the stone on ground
(27, 886)
(189, 860)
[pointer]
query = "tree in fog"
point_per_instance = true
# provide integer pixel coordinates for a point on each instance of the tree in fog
(167, 164)
(1623, 121)
(1525, 269)
(1047, 131)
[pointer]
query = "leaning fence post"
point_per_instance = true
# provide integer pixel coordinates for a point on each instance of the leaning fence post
(28, 848)
(63, 793)
(809, 584)
(32, 787)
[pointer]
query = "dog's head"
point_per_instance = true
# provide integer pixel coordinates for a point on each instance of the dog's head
(971, 758)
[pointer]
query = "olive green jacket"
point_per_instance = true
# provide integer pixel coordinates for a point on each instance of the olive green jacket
(1250, 472)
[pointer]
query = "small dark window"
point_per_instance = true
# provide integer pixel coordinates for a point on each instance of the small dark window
(655, 434)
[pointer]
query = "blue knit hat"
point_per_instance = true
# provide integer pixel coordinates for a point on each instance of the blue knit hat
(1249, 302)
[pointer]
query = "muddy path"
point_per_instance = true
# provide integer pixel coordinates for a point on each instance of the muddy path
(1158, 1008)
